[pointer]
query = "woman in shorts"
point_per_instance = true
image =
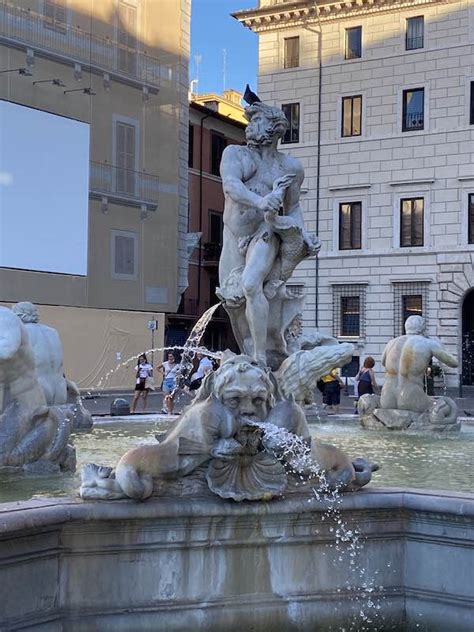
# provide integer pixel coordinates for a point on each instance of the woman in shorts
(143, 370)
(170, 370)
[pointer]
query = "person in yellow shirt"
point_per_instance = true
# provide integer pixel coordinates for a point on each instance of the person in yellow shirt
(332, 391)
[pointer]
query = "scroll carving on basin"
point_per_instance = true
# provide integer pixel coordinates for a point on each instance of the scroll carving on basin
(403, 403)
(246, 434)
(33, 435)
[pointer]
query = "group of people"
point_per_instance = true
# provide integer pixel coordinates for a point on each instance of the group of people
(331, 384)
(171, 370)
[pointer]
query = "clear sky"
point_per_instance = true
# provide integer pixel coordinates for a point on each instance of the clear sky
(213, 30)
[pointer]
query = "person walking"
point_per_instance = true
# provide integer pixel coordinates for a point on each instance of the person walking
(365, 379)
(143, 371)
(332, 391)
(170, 369)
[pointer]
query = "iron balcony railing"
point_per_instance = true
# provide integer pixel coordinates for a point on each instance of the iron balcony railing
(31, 29)
(124, 184)
(414, 120)
(412, 43)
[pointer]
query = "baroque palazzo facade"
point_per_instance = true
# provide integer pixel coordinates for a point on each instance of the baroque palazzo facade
(380, 99)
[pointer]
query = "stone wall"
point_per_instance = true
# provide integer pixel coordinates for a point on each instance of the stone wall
(383, 165)
(179, 565)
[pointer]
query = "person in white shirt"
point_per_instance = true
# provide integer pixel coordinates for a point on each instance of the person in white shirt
(143, 370)
(171, 371)
(205, 366)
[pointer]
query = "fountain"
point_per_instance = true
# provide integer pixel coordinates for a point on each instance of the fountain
(233, 518)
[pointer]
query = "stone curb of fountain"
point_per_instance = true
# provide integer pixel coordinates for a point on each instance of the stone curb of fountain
(43, 512)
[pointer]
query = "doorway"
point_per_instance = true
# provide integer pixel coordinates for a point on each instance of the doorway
(468, 339)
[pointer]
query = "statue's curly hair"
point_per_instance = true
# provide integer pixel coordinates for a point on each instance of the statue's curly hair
(276, 117)
(26, 312)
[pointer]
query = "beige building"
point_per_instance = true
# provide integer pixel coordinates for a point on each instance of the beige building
(380, 97)
(117, 66)
(228, 104)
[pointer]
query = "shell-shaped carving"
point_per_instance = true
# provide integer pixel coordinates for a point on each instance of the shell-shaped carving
(300, 371)
(247, 477)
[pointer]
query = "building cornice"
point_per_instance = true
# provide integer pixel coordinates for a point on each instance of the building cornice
(307, 12)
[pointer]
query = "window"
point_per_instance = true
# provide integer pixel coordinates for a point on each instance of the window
(350, 225)
(413, 109)
(412, 305)
(471, 105)
(350, 315)
(127, 38)
(410, 299)
(411, 222)
(470, 220)
(125, 157)
(55, 14)
(215, 227)
(217, 147)
(291, 52)
(351, 116)
(414, 33)
(292, 113)
(349, 310)
(353, 47)
(191, 146)
(124, 254)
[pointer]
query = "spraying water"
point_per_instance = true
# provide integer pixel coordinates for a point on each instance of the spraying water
(348, 544)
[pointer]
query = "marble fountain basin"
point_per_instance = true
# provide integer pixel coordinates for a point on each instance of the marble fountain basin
(201, 563)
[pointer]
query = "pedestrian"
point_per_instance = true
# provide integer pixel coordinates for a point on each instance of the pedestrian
(205, 366)
(143, 372)
(332, 391)
(171, 371)
(365, 379)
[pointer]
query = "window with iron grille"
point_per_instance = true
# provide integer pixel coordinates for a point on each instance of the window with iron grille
(471, 104)
(291, 52)
(471, 219)
(218, 144)
(353, 44)
(413, 110)
(411, 222)
(350, 225)
(351, 120)
(410, 299)
(414, 37)
(292, 113)
(191, 146)
(349, 311)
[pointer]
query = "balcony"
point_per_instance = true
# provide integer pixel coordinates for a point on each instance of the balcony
(123, 186)
(211, 251)
(66, 43)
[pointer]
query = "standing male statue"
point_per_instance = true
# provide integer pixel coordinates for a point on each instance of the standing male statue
(261, 247)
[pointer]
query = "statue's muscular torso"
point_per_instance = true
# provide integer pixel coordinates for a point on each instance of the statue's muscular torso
(258, 175)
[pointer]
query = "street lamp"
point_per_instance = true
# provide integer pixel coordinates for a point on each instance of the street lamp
(55, 82)
(21, 71)
(88, 91)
